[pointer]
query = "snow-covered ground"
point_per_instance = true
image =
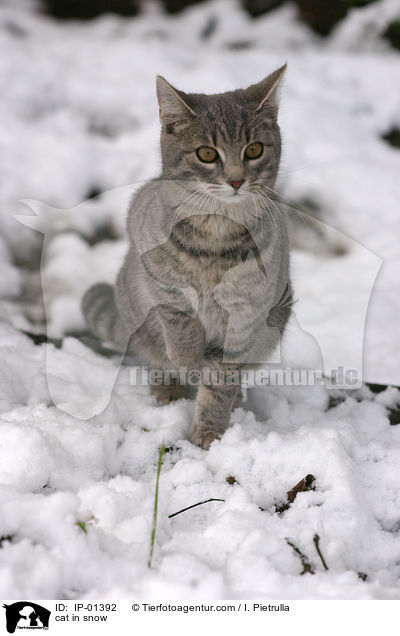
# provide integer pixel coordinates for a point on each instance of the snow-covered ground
(79, 116)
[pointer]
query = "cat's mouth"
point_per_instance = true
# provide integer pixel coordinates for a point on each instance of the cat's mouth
(229, 194)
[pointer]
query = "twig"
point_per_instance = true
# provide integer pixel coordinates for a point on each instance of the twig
(316, 543)
(308, 483)
(154, 526)
(40, 338)
(86, 339)
(200, 503)
(307, 566)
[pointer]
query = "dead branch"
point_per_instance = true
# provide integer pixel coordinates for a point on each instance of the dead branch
(200, 503)
(308, 483)
(316, 543)
(307, 566)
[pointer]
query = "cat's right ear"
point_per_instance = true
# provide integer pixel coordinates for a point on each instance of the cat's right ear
(264, 94)
(174, 111)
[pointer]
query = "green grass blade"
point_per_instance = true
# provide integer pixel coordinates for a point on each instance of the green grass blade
(82, 526)
(154, 526)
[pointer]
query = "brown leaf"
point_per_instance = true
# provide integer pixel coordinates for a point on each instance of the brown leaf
(231, 480)
(308, 483)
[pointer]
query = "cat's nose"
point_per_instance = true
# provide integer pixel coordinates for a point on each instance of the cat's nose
(236, 184)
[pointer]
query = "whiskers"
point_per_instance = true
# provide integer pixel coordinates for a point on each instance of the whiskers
(273, 198)
(198, 202)
(211, 200)
(267, 210)
(258, 205)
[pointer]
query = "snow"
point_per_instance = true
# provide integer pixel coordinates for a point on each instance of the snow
(79, 442)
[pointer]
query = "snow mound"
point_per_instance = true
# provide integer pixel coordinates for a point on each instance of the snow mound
(77, 492)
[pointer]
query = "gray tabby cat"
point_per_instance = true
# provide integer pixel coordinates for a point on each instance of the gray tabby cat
(205, 283)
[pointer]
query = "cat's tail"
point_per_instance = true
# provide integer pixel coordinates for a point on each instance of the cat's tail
(101, 313)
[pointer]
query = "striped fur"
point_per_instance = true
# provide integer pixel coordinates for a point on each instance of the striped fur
(205, 282)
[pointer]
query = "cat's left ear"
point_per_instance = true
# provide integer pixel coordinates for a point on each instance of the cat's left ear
(265, 93)
(174, 110)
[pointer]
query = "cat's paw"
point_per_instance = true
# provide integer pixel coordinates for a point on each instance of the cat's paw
(204, 437)
(243, 291)
(189, 357)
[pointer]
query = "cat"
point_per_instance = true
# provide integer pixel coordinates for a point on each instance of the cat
(205, 283)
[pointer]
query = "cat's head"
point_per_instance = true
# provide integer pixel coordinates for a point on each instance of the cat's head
(228, 145)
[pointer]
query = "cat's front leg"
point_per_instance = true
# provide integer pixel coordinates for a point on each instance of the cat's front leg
(249, 298)
(212, 413)
(217, 395)
(183, 336)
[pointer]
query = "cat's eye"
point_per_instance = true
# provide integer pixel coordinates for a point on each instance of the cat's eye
(207, 154)
(253, 151)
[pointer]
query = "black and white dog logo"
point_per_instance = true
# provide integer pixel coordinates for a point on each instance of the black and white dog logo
(26, 615)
